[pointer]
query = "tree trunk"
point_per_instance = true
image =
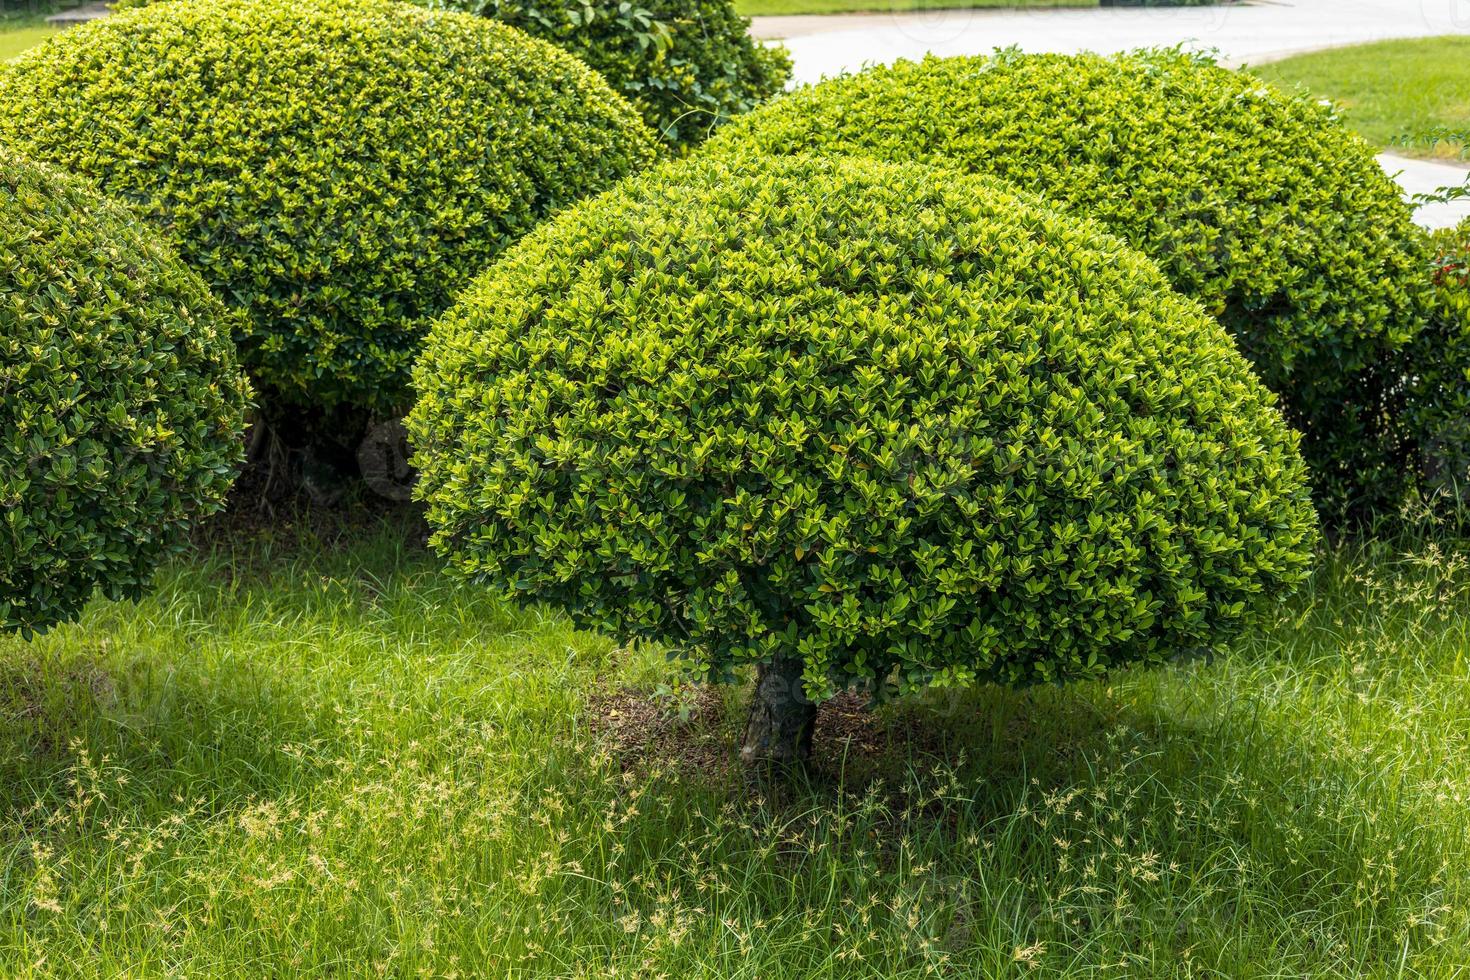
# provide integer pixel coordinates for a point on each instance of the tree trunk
(778, 733)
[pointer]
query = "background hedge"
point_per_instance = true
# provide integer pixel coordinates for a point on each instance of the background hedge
(121, 406)
(887, 419)
(689, 65)
(1439, 368)
(337, 169)
(1259, 204)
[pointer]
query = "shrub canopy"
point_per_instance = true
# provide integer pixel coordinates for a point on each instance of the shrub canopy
(688, 65)
(121, 406)
(894, 421)
(1259, 204)
(338, 169)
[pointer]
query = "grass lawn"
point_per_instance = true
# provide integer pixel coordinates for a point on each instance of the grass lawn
(308, 754)
(1392, 91)
(17, 34)
(758, 8)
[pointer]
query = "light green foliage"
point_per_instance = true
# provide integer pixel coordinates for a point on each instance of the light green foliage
(1259, 204)
(891, 420)
(338, 169)
(689, 65)
(121, 407)
(1439, 368)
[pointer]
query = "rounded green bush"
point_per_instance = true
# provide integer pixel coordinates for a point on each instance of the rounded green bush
(895, 422)
(1259, 204)
(121, 406)
(689, 65)
(337, 169)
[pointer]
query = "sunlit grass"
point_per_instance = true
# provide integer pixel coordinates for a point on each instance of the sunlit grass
(1393, 92)
(17, 33)
(319, 756)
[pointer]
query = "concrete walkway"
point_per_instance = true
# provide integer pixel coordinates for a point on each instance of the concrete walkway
(1243, 33)
(1425, 177)
(79, 15)
(1258, 30)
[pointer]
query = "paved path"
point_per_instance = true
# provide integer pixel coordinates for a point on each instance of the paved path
(1426, 176)
(1252, 32)
(79, 15)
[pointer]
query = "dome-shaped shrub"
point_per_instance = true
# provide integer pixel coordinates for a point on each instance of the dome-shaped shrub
(338, 169)
(121, 406)
(869, 422)
(1258, 203)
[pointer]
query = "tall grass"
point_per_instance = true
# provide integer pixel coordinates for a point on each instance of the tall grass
(307, 755)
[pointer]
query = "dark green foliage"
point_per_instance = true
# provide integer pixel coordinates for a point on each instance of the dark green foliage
(1451, 266)
(689, 65)
(1259, 204)
(894, 421)
(1440, 374)
(338, 169)
(121, 406)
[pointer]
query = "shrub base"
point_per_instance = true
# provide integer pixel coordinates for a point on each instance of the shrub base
(778, 733)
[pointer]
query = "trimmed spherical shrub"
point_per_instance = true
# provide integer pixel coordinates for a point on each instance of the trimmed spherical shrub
(1439, 372)
(1259, 204)
(889, 424)
(121, 406)
(337, 169)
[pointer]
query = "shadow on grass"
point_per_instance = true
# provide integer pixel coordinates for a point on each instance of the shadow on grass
(194, 690)
(1142, 823)
(173, 728)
